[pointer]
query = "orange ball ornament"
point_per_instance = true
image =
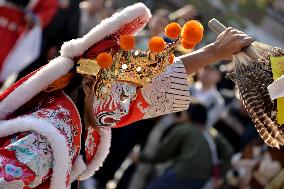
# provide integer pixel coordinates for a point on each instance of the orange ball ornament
(173, 30)
(171, 58)
(127, 42)
(104, 60)
(192, 32)
(187, 45)
(157, 44)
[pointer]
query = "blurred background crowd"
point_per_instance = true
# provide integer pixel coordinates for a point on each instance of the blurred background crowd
(211, 145)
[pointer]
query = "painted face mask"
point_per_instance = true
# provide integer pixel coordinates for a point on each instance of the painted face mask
(110, 110)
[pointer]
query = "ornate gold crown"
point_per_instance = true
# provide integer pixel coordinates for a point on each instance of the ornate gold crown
(135, 66)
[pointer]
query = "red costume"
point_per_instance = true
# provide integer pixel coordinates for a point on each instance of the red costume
(13, 26)
(40, 130)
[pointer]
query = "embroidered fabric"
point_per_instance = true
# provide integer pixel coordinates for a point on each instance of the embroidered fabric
(34, 151)
(28, 156)
(167, 93)
(60, 116)
(16, 184)
(91, 143)
(61, 124)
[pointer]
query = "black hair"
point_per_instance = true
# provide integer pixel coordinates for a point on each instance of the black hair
(21, 3)
(197, 113)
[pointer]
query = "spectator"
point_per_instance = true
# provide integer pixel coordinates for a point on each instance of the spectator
(21, 23)
(92, 13)
(206, 92)
(191, 149)
(156, 27)
(123, 141)
(185, 13)
(143, 170)
(63, 27)
(236, 125)
(257, 167)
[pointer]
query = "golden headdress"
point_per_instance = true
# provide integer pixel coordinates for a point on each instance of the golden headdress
(135, 66)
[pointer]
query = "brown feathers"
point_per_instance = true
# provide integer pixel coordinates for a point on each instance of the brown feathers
(252, 77)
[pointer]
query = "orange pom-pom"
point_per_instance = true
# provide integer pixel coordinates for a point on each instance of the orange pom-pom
(157, 44)
(104, 60)
(127, 42)
(187, 45)
(192, 32)
(173, 30)
(171, 58)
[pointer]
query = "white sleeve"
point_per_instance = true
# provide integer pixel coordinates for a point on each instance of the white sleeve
(215, 112)
(168, 92)
(276, 89)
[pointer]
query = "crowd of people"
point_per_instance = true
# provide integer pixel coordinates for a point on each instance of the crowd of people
(213, 144)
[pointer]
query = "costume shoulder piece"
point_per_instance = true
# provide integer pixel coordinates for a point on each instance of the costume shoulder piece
(130, 20)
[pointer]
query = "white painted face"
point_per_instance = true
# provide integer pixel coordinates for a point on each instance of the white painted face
(109, 111)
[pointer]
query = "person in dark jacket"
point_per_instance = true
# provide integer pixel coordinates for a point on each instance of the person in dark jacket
(197, 154)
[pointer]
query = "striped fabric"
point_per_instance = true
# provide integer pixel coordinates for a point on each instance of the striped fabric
(168, 92)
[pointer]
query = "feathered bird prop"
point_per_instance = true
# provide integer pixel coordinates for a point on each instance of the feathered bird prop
(252, 75)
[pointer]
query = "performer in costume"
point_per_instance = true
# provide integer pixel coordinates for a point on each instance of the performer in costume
(17, 18)
(56, 122)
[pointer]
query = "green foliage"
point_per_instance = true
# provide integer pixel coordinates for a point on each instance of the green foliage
(236, 9)
(249, 5)
(253, 9)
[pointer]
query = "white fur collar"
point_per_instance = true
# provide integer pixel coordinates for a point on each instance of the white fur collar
(56, 68)
(107, 27)
(63, 64)
(78, 168)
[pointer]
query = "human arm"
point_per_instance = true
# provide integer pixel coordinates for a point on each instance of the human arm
(229, 42)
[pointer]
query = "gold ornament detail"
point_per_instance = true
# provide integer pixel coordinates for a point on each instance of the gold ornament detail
(88, 67)
(135, 66)
(138, 67)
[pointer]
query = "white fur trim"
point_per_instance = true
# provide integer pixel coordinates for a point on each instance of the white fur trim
(78, 168)
(107, 27)
(101, 153)
(57, 142)
(35, 84)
